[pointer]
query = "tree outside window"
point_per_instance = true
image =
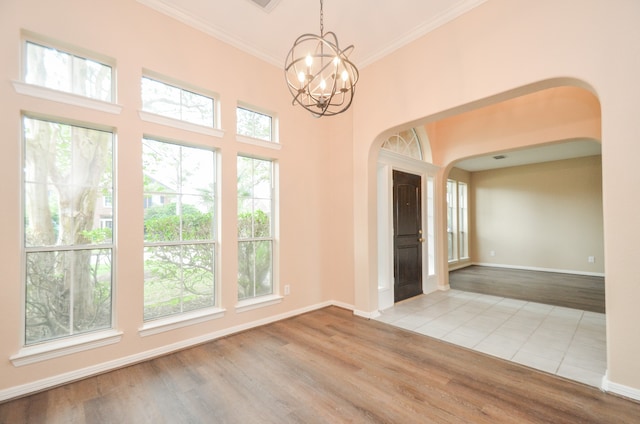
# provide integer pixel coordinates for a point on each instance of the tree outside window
(255, 227)
(68, 253)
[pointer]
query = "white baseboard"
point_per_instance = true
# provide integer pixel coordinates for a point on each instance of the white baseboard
(367, 315)
(534, 268)
(60, 379)
(619, 389)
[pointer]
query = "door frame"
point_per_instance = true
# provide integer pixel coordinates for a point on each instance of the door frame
(388, 162)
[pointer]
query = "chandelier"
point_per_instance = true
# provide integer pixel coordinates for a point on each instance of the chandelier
(320, 76)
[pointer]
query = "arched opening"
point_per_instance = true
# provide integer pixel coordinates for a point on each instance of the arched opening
(544, 134)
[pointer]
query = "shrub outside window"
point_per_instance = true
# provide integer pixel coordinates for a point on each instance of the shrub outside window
(255, 227)
(58, 70)
(68, 251)
(176, 103)
(179, 231)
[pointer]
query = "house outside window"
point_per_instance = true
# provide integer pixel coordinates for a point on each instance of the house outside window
(179, 228)
(68, 253)
(255, 227)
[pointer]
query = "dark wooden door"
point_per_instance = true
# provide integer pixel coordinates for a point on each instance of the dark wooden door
(407, 235)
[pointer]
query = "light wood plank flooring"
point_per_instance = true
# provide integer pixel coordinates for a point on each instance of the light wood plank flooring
(326, 366)
(568, 290)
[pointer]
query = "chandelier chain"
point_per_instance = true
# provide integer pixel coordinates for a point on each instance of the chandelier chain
(321, 20)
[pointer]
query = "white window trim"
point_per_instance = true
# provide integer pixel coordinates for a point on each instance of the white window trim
(67, 346)
(185, 319)
(182, 125)
(258, 142)
(64, 97)
(258, 302)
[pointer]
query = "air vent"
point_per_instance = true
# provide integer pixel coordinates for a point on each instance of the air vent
(266, 5)
(499, 157)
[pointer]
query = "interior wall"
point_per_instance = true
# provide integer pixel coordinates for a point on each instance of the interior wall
(501, 50)
(315, 232)
(545, 216)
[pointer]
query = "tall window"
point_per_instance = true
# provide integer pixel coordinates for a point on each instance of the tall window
(463, 221)
(254, 124)
(179, 228)
(177, 103)
(452, 221)
(255, 227)
(52, 68)
(68, 252)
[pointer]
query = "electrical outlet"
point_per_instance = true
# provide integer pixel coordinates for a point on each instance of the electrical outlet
(492, 253)
(287, 289)
(591, 259)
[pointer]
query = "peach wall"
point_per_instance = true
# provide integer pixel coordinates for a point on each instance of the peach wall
(501, 50)
(139, 38)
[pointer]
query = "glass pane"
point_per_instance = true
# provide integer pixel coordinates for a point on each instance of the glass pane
(246, 270)
(254, 269)
(197, 109)
(162, 219)
(254, 124)
(178, 279)
(197, 171)
(160, 98)
(262, 218)
(161, 167)
(48, 67)
(67, 172)
(245, 218)
(197, 218)
(67, 293)
(91, 79)
(57, 70)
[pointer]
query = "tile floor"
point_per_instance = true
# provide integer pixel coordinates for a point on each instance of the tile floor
(567, 342)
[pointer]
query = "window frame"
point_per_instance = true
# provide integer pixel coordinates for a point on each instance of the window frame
(171, 321)
(29, 37)
(274, 142)
(249, 303)
(62, 345)
(150, 116)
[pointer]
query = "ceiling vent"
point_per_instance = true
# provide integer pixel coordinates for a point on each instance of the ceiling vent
(498, 157)
(266, 5)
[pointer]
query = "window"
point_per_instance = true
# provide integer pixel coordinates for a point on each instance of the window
(452, 220)
(68, 253)
(405, 143)
(457, 220)
(179, 228)
(59, 70)
(254, 124)
(463, 221)
(255, 227)
(177, 103)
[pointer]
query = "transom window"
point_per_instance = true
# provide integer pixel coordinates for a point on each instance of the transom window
(404, 143)
(255, 227)
(63, 71)
(177, 103)
(179, 228)
(68, 244)
(254, 124)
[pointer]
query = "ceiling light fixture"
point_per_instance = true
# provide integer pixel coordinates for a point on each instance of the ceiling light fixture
(320, 76)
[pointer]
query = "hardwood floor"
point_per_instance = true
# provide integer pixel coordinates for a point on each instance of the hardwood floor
(326, 366)
(568, 290)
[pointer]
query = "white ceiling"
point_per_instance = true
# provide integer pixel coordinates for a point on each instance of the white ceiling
(375, 27)
(545, 153)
